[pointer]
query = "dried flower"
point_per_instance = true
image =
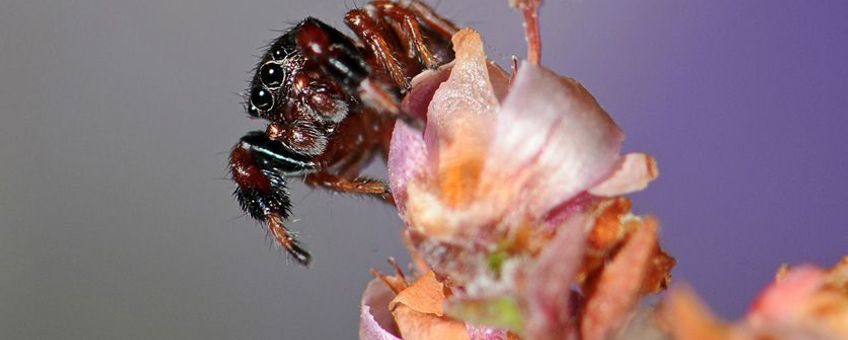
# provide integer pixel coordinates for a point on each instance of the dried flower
(511, 196)
(480, 161)
(804, 302)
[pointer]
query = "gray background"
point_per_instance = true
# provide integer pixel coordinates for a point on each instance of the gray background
(116, 116)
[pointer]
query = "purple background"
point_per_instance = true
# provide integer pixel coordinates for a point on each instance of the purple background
(115, 119)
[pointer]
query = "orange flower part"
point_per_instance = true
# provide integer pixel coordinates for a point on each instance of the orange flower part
(419, 315)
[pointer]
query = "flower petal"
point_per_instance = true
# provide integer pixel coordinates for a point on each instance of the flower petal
(407, 155)
(552, 141)
(838, 276)
(617, 291)
(415, 325)
(634, 174)
(547, 293)
(375, 321)
(426, 295)
(423, 86)
(419, 314)
(805, 302)
(487, 333)
(465, 104)
(417, 100)
(684, 316)
(781, 301)
(460, 121)
(468, 93)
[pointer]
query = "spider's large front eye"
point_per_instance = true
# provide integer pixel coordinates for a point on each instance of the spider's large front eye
(261, 99)
(252, 110)
(271, 74)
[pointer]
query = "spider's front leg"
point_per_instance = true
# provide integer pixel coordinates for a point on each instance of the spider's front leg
(342, 60)
(398, 41)
(423, 38)
(259, 165)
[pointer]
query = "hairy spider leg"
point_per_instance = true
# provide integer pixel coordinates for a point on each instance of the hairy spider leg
(340, 57)
(416, 37)
(348, 153)
(259, 166)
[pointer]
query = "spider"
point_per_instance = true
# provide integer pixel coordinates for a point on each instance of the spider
(331, 102)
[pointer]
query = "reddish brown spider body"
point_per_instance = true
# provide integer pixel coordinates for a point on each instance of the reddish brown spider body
(331, 102)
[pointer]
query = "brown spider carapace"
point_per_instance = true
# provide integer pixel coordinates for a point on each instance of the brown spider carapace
(331, 102)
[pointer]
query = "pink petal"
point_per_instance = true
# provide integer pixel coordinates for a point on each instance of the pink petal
(552, 140)
(424, 86)
(407, 155)
(499, 79)
(465, 104)
(458, 102)
(460, 118)
(486, 333)
(633, 174)
(548, 291)
(783, 300)
(375, 320)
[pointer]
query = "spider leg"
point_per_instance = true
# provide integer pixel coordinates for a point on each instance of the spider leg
(284, 238)
(337, 54)
(339, 57)
(431, 19)
(408, 29)
(259, 165)
(371, 32)
(352, 166)
(346, 178)
(359, 185)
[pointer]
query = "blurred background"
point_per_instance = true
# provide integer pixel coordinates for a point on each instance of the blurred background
(116, 118)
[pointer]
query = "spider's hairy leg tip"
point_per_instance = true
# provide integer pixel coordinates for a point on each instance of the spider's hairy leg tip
(299, 254)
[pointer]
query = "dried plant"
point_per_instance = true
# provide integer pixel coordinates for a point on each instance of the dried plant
(513, 196)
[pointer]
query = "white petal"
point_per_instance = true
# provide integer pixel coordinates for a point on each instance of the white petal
(552, 140)
(463, 108)
(634, 174)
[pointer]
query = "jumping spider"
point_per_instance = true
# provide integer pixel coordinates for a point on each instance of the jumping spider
(331, 101)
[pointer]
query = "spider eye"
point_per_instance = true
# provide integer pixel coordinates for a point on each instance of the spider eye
(271, 74)
(261, 99)
(251, 110)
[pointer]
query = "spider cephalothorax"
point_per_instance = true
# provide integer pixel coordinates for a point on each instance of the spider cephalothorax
(331, 102)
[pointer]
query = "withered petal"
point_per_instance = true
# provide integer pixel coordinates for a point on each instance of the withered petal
(415, 325)
(684, 316)
(425, 295)
(617, 291)
(419, 314)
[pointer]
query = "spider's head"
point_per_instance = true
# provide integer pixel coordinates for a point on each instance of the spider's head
(302, 102)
